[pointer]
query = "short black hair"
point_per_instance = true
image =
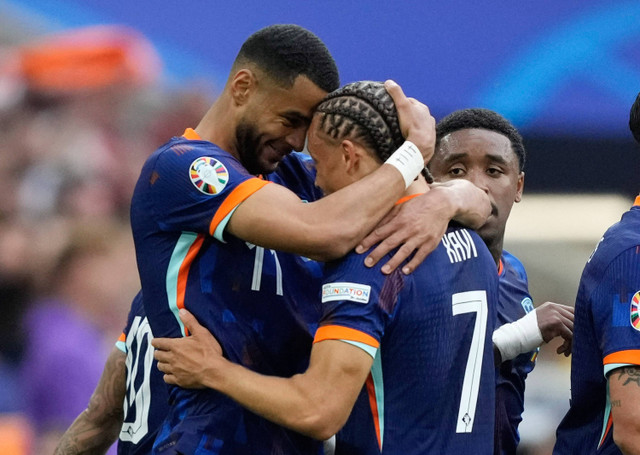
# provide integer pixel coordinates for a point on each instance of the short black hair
(634, 119)
(286, 51)
(485, 119)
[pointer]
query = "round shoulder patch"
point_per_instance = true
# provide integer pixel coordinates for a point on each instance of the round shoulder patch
(635, 311)
(208, 175)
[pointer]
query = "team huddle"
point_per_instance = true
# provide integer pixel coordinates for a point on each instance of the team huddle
(323, 271)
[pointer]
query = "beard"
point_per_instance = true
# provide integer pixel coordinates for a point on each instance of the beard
(248, 144)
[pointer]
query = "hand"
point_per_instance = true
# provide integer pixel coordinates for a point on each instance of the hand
(473, 204)
(416, 122)
(418, 225)
(555, 320)
(188, 362)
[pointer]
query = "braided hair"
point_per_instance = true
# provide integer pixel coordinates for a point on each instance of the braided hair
(363, 111)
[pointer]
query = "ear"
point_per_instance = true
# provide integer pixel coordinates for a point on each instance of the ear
(351, 156)
(519, 187)
(243, 83)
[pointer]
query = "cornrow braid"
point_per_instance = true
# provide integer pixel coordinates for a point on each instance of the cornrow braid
(364, 111)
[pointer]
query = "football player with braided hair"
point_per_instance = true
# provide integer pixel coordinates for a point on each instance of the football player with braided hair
(604, 416)
(400, 362)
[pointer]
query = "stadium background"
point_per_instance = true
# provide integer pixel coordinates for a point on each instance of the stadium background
(565, 73)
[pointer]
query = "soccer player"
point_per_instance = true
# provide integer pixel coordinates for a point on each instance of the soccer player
(199, 213)
(420, 342)
(483, 147)
(604, 416)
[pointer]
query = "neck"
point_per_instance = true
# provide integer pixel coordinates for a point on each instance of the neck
(218, 125)
(418, 186)
(495, 248)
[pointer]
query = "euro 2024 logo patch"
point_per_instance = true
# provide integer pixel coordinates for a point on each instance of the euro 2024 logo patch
(635, 311)
(208, 175)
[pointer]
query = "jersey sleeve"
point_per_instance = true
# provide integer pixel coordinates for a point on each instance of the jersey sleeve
(358, 303)
(194, 186)
(616, 311)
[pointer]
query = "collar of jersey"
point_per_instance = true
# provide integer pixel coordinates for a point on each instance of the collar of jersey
(191, 134)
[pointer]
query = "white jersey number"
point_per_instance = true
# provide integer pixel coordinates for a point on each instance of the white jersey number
(471, 302)
(258, 263)
(133, 430)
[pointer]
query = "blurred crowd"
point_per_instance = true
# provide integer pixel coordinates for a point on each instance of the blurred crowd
(79, 113)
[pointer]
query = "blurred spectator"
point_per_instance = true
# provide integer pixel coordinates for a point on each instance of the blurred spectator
(79, 113)
(73, 327)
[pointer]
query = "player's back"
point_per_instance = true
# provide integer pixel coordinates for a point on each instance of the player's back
(606, 335)
(431, 388)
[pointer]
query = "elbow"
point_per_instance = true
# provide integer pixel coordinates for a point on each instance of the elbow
(321, 426)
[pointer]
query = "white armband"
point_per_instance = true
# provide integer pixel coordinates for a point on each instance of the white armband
(518, 337)
(408, 160)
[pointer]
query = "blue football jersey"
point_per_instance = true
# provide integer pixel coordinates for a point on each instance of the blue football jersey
(606, 336)
(255, 301)
(432, 385)
(145, 403)
(514, 301)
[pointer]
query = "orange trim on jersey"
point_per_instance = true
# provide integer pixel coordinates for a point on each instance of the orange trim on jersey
(500, 267)
(630, 356)
(338, 332)
(606, 431)
(239, 194)
(404, 199)
(373, 404)
(191, 134)
(122, 337)
(637, 201)
(183, 273)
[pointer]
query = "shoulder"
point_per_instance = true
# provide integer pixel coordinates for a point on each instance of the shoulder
(513, 264)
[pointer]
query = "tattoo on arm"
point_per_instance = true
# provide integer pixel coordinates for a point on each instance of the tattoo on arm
(629, 375)
(97, 428)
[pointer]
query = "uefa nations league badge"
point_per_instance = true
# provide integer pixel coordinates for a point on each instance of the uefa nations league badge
(208, 175)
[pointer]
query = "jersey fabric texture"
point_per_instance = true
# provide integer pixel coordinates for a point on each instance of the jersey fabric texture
(145, 404)
(432, 384)
(514, 301)
(254, 300)
(606, 336)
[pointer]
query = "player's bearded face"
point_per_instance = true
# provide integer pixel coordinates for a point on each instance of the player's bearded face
(258, 154)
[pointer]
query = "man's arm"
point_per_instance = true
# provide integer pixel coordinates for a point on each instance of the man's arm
(98, 426)
(548, 321)
(419, 224)
(273, 217)
(316, 403)
(624, 394)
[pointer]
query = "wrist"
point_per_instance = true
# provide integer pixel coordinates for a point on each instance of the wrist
(518, 337)
(408, 160)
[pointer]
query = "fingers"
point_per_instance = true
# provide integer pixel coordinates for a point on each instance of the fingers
(397, 94)
(189, 321)
(162, 344)
(383, 229)
(419, 256)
